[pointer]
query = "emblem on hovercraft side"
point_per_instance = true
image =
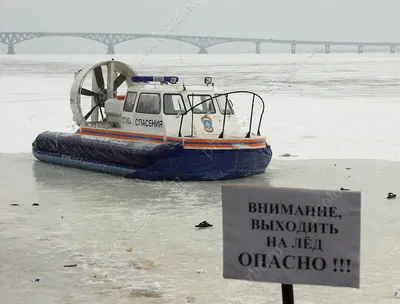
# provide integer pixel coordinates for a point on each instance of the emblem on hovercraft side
(207, 122)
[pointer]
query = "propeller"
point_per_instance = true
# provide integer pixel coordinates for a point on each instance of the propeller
(103, 87)
(100, 96)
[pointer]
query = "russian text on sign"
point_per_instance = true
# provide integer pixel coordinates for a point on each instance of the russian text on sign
(291, 236)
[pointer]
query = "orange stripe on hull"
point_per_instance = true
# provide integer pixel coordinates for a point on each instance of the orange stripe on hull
(222, 146)
(217, 140)
(188, 142)
(124, 138)
(123, 133)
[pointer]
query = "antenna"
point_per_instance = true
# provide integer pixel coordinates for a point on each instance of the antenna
(180, 53)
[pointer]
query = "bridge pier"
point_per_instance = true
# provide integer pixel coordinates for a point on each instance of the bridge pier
(11, 50)
(111, 49)
(203, 50)
(327, 49)
(293, 48)
(392, 49)
(360, 49)
(258, 47)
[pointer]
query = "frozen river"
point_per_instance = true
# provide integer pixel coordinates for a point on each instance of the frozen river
(135, 241)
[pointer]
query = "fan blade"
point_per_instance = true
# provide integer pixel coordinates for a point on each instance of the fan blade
(90, 112)
(101, 113)
(98, 74)
(87, 92)
(118, 81)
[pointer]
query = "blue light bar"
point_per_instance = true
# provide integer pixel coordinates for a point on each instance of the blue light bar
(170, 79)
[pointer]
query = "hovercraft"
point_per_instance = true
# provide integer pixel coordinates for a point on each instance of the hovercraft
(157, 130)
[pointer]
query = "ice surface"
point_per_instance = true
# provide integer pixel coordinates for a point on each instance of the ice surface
(92, 219)
(325, 106)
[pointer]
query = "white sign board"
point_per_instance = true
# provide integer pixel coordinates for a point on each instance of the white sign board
(291, 236)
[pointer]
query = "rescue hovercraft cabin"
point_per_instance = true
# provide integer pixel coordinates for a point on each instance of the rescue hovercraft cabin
(158, 130)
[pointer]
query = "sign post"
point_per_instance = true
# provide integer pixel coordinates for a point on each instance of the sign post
(291, 236)
(287, 294)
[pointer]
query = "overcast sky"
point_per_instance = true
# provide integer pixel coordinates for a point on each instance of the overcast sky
(357, 20)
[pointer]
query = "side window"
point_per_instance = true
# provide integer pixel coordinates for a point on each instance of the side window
(129, 101)
(221, 105)
(149, 103)
(205, 107)
(173, 104)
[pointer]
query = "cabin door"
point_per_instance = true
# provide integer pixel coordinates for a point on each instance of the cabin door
(127, 111)
(173, 108)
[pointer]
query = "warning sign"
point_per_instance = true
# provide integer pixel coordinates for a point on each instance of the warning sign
(291, 236)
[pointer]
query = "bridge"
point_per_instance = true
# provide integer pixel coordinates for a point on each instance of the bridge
(202, 42)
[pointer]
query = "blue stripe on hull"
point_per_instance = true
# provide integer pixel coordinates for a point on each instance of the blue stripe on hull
(180, 164)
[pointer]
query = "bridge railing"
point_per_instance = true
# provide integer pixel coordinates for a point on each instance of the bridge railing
(254, 95)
